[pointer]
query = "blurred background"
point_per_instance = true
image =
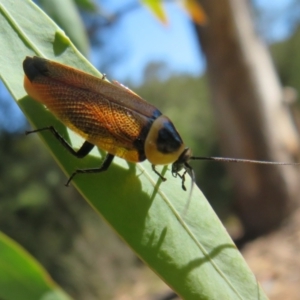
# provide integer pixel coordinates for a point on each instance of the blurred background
(231, 87)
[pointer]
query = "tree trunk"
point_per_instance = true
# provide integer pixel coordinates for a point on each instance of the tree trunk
(252, 118)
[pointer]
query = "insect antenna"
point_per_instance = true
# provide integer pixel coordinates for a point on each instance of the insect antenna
(190, 171)
(240, 160)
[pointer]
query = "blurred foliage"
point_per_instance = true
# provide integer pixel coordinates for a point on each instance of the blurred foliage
(41, 214)
(19, 269)
(33, 197)
(287, 61)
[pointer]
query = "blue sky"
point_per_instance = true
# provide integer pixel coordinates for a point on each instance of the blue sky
(145, 39)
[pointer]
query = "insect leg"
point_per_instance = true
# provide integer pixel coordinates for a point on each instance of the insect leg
(82, 152)
(182, 177)
(158, 174)
(105, 165)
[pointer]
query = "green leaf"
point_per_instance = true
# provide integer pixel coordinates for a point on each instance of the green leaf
(66, 15)
(87, 5)
(192, 252)
(21, 276)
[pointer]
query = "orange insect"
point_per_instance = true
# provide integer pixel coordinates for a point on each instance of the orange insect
(109, 116)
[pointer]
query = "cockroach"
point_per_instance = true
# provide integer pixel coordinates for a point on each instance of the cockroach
(111, 117)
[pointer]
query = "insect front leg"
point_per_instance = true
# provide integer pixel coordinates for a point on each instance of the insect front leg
(105, 165)
(80, 153)
(182, 177)
(158, 174)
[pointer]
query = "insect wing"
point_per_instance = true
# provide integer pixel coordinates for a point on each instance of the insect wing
(105, 114)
